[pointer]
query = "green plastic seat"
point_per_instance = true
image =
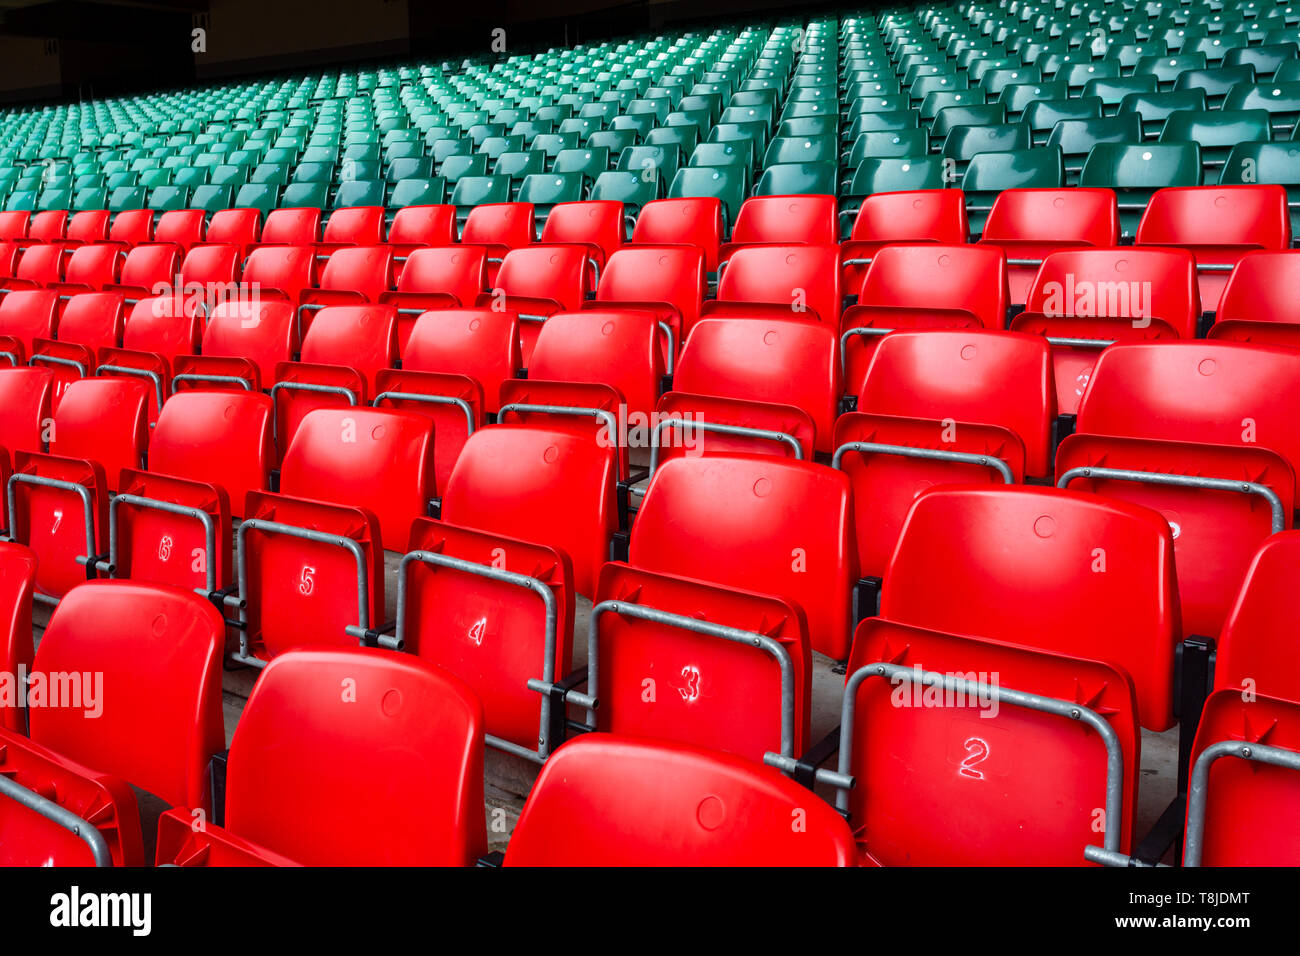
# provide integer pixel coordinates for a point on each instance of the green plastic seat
(683, 137)
(1216, 132)
(588, 163)
(802, 149)
(54, 199)
(1135, 171)
(492, 147)
(167, 198)
(309, 195)
(552, 144)
(1280, 100)
(992, 114)
(517, 165)
(1076, 138)
(418, 192)
(260, 196)
(1112, 90)
(791, 179)
(727, 183)
(480, 190)
(455, 167)
(358, 192)
(897, 174)
(126, 197)
(1155, 108)
(964, 142)
(1215, 83)
(738, 157)
(990, 173)
(544, 190)
(189, 177)
(272, 174)
(24, 200)
(211, 198)
(1166, 69)
(1265, 59)
(85, 200)
(313, 173)
(233, 176)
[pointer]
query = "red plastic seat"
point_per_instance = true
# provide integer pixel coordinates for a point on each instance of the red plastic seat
(92, 268)
(537, 281)
(499, 228)
(659, 677)
(1211, 410)
(159, 332)
(436, 277)
(1016, 579)
(88, 226)
(244, 340)
(1031, 224)
(668, 280)
(540, 485)
(596, 224)
(278, 272)
(26, 409)
(306, 760)
(354, 275)
(25, 316)
(1217, 224)
(923, 215)
(148, 270)
(38, 267)
(693, 222)
(237, 227)
(760, 523)
(986, 396)
(13, 225)
(17, 581)
(184, 227)
(1250, 805)
(414, 227)
(1256, 305)
(291, 227)
(48, 226)
(1254, 651)
(343, 352)
(208, 450)
(353, 226)
(921, 286)
(669, 804)
(131, 227)
(105, 420)
(783, 220)
(768, 361)
(779, 281)
(953, 778)
(1082, 300)
(139, 638)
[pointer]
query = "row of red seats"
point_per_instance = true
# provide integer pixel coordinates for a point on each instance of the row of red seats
(304, 757)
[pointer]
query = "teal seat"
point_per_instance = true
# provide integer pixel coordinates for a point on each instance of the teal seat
(126, 197)
(990, 173)
(589, 163)
(480, 190)
(360, 192)
(792, 179)
(1135, 171)
(1216, 132)
(85, 200)
(727, 183)
(168, 198)
(1042, 116)
(454, 168)
(520, 164)
(54, 199)
(1076, 138)
(418, 192)
(260, 196)
(211, 198)
(633, 190)
(1155, 108)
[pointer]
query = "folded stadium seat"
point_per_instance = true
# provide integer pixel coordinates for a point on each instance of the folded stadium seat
(1255, 305)
(772, 384)
(928, 215)
(695, 222)
(243, 342)
(670, 804)
(38, 267)
(172, 523)
(133, 638)
(17, 581)
(281, 273)
(1030, 224)
(800, 281)
(310, 558)
(50, 226)
(414, 227)
(25, 316)
(499, 227)
(740, 684)
(238, 227)
(941, 406)
(90, 321)
(1197, 431)
(1218, 225)
(184, 227)
(90, 268)
(342, 353)
(26, 410)
(210, 273)
(758, 540)
(13, 225)
(782, 220)
(88, 226)
(729, 184)
(597, 225)
(131, 227)
(1084, 300)
(353, 275)
(1216, 132)
(304, 762)
(147, 270)
(437, 277)
(291, 227)
(352, 226)
(1135, 172)
(925, 285)
(537, 281)
(900, 757)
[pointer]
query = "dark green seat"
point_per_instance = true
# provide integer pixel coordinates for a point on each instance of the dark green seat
(480, 190)
(1271, 163)
(517, 165)
(1042, 116)
(1076, 138)
(418, 192)
(1155, 108)
(792, 179)
(727, 183)
(801, 149)
(589, 163)
(897, 174)
(168, 198)
(1017, 97)
(211, 198)
(54, 199)
(1112, 90)
(1280, 100)
(260, 196)
(1216, 132)
(305, 195)
(357, 192)
(990, 173)
(950, 117)
(887, 143)
(1215, 83)
(455, 167)
(126, 197)
(1135, 171)
(85, 200)
(633, 190)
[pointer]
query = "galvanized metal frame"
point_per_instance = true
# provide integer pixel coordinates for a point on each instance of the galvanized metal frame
(695, 626)
(209, 532)
(1198, 792)
(87, 511)
(907, 451)
(79, 827)
(432, 400)
(718, 428)
(138, 373)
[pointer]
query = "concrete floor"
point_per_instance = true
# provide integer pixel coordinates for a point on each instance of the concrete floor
(509, 778)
